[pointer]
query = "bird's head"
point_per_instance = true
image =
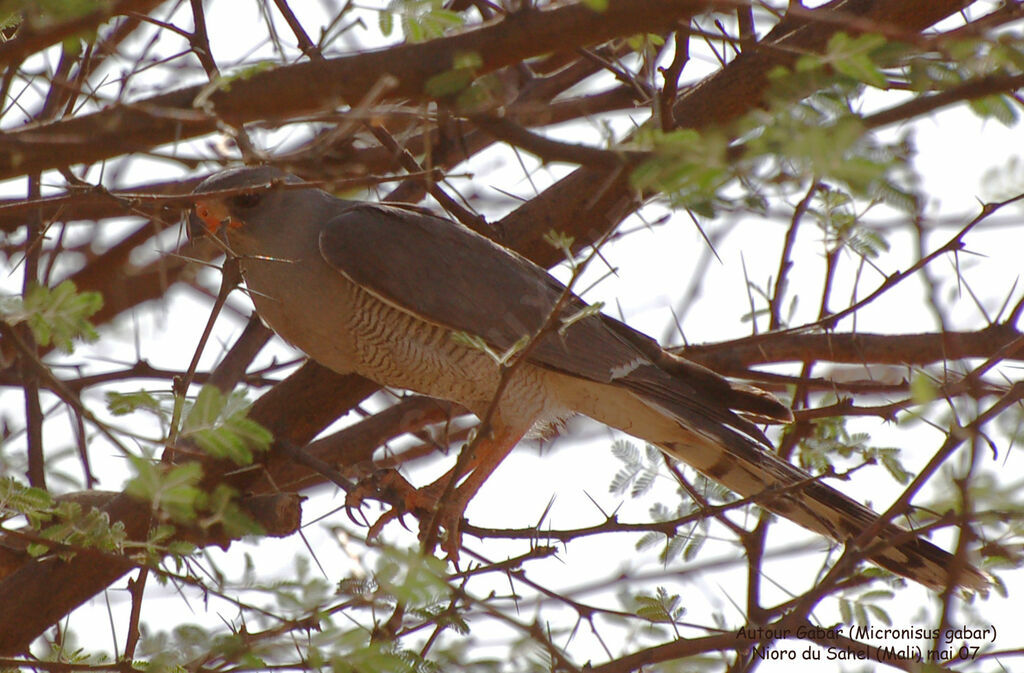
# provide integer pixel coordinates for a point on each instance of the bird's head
(236, 202)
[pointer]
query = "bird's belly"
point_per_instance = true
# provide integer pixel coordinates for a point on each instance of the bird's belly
(397, 349)
(351, 331)
(312, 321)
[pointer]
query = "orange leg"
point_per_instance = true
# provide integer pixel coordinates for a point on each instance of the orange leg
(448, 503)
(439, 505)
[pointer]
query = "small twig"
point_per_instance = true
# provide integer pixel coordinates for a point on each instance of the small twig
(667, 99)
(921, 106)
(233, 366)
(746, 25)
(230, 276)
(553, 150)
(29, 372)
(785, 262)
(409, 163)
(953, 442)
(199, 39)
(322, 467)
(57, 386)
(311, 51)
(137, 588)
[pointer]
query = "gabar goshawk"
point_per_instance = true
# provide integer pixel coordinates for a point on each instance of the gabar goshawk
(383, 291)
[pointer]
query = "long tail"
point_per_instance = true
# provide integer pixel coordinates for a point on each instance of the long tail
(748, 469)
(703, 430)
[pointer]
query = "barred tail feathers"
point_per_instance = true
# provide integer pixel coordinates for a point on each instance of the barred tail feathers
(732, 451)
(789, 492)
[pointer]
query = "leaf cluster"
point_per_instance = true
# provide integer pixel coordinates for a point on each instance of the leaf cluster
(57, 316)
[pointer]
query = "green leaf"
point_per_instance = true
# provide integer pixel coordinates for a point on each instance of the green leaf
(420, 19)
(73, 525)
(121, 404)
(221, 508)
(55, 315)
(44, 13)
(852, 57)
(386, 22)
(171, 489)
(431, 24)
(846, 611)
(890, 461)
(661, 608)
(219, 426)
(411, 577)
(448, 83)
(643, 40)
(880, 614)
(17, 498)
(688, 166)
(1009, 50)
(626, 451)
(693, 546)
(467, 60)
(638, 472)
(922, 388)
(484, 93)
(560, 241)
(9, 19)
(995, 107)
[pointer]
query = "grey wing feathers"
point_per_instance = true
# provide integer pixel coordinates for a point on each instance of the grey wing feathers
(446, 274)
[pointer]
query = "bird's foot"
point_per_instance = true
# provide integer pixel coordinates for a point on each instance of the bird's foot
(390, 487)
(448, 515)
(428, 504)
(441, 505)
(438, 508)
(470, 472)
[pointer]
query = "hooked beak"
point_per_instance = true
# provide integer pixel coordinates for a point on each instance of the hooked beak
(209, 217)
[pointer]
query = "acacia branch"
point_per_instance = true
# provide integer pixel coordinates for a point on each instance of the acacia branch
(738, 355)
(590, 201)
(920, 106)
(348, 167)
(315, 85)
(29, 41)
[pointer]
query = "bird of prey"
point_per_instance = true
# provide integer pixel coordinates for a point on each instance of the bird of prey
(387, 292)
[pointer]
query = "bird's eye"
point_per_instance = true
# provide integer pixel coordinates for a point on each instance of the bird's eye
(246, 201)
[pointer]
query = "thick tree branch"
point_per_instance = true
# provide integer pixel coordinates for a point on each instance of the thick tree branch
(29, 41)
(590, 201)
(316, 85)
(883, 349)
